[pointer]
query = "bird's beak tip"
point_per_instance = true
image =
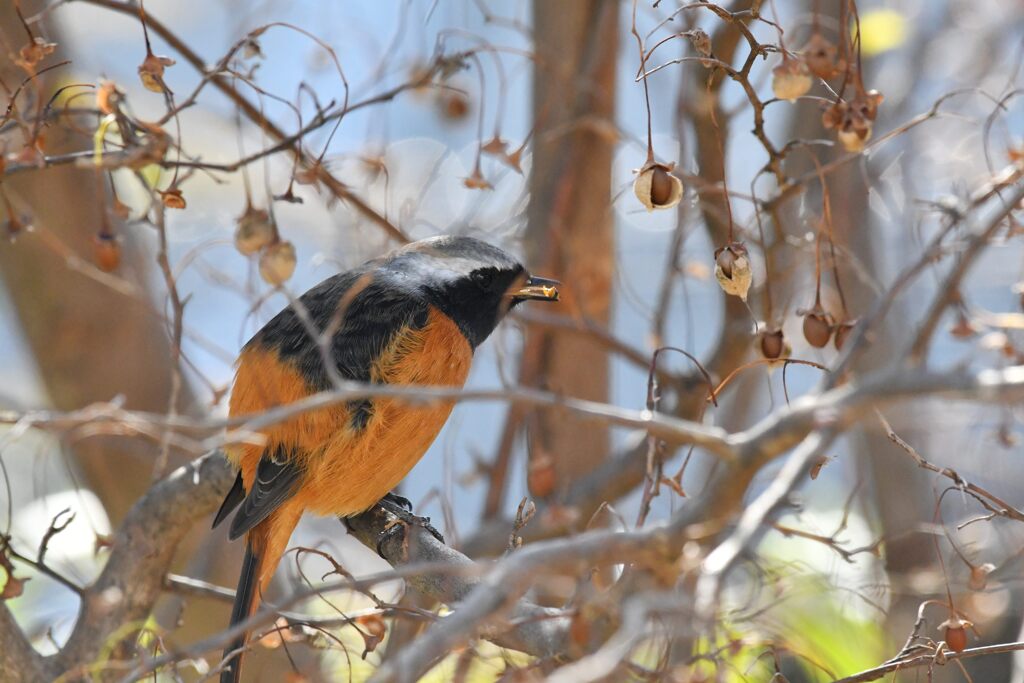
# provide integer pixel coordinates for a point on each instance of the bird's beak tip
(537, 289)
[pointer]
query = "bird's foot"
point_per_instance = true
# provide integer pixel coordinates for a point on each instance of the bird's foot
(400, 508)
(396, 499)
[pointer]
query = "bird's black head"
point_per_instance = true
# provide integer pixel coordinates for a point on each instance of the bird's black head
(472, 282)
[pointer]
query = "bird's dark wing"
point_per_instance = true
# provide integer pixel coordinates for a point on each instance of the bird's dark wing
(365, 308)
(277, 478)
(235, 496)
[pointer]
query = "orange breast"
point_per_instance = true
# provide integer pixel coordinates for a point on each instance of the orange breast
(348, 469)
(355, 469)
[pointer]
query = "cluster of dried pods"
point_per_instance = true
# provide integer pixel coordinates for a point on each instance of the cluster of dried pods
(852, 119)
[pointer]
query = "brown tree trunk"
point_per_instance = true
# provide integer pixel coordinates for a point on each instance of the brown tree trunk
(571, 227)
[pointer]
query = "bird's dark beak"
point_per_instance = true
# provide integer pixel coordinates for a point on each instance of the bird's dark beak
(537, 289)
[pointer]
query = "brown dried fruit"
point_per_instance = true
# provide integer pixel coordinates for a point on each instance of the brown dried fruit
(819, 463)
(477, 181)
(254, 230)
(173, 199)
(656, 187)
(732, 269)
(106, 252)
(963, 328)
(453, 105)
(842, 331)
(108, 97)
(791, 79)
(822, 57)
(955, 633)
(151, 72)
(495, 146)
(34, 52)
(277, 263)
(373, 629)
(817, 328)
(772, 343)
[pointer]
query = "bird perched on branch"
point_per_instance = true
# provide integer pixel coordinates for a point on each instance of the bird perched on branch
(411, 318)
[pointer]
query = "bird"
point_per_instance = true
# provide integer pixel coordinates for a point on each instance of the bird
(413, 317)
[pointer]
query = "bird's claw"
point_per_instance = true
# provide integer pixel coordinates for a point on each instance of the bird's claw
(394, 498)
(393, 505)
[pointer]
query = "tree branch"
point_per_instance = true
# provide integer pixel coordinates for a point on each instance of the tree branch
(143, 548)
(18, 659)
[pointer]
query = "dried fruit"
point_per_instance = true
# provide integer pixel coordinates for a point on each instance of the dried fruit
(816, 466)
(822, 57)
(251, 49)
(702, 45)
(495, 146)
(106, 252)
(453, 105)
(791, 79)
(842, 331)
(254, 230)
(108, 97)
(477, 181)
(979, 576)
(34, 52)
(277, 263)
(732, 269)
(173, 199)
(772, 344)
(817, 327)
(151, 72)
(955, 633)
(373, 629)
(963, 328)
(853, 120)
(656, 187)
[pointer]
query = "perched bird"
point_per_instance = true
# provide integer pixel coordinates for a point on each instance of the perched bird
(411, 318)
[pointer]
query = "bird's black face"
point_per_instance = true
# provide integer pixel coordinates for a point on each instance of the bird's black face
(472, 282)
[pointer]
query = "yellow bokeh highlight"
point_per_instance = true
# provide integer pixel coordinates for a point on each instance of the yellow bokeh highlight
(881, 30)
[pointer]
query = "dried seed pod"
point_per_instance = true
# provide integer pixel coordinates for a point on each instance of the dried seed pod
(173, 198)
(34, 52)
(817, 328)
(656, 187)
(842, 331)
(772, 344)
(151, 72)
(106, 252)
(791, 79)
(822, 57)
(853, 140)
(955, 633)
(732, 269)
(833, 115)
(979, 576)
(453, 105)
(818, 464)
(108, 97)
(277, 263)
(254, 230)
(963, 328)
(251, 49)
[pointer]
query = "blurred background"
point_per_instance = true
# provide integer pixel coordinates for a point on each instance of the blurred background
(530, 136)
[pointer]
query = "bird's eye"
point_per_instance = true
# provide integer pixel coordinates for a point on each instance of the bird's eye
(483, 278)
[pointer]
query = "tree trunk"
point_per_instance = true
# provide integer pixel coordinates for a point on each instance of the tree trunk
(571, 228)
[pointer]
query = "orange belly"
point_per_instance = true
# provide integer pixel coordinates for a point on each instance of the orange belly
(348, 469)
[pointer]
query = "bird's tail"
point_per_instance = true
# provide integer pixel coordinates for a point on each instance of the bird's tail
(264, 545)
(245, 606)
